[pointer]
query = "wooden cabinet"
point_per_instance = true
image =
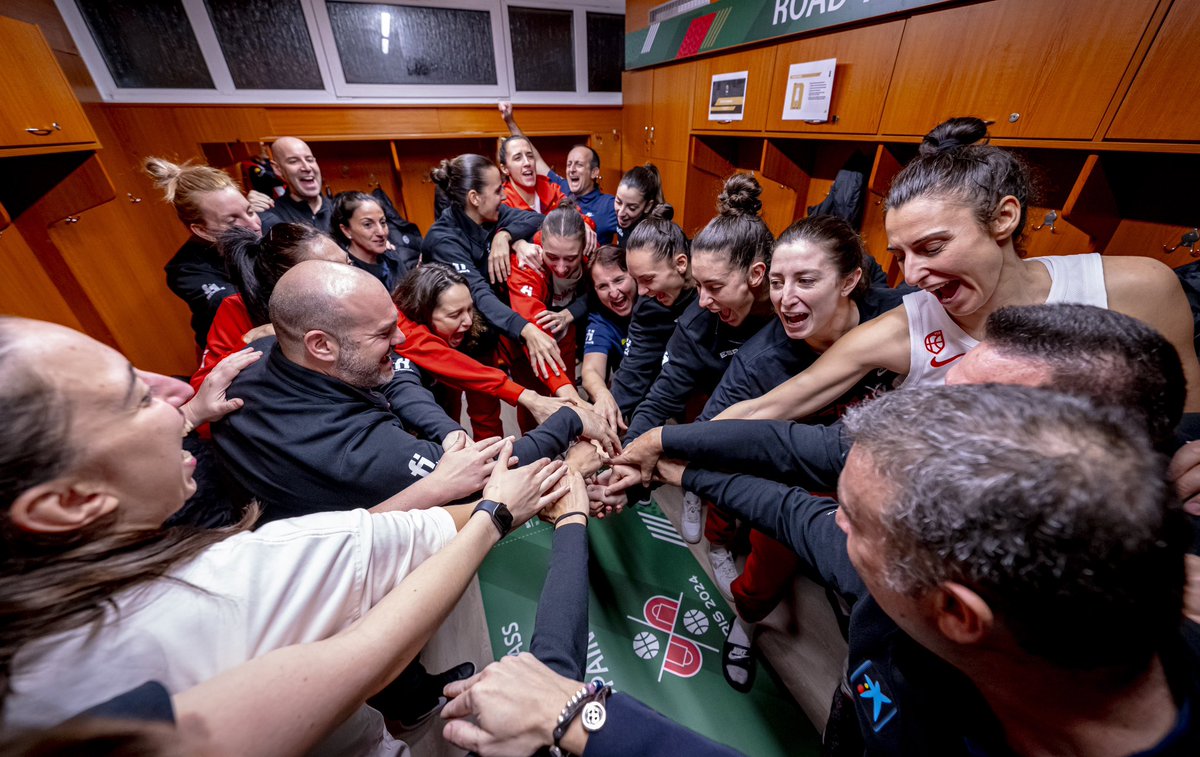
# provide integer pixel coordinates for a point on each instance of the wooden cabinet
(25, 288)
(1038, 69)
(1161, 102)
(865, 58)
(656, 114)
(39, 112)
(757, 64)
(102, 250)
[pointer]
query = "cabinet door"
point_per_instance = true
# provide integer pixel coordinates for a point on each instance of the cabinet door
(637, 92)
(865, 58)
(107, 251)
(1161, 103)
(1038, 68)
(671, 112)
(25, 287)
(674, 184)
(35, 93)
(757, 64)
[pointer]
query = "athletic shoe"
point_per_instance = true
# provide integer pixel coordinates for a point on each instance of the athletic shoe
(724, 570)
(738, 666)
(693, 518)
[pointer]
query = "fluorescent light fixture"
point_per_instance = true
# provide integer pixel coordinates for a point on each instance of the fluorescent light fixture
(384, 45)
(385, 24)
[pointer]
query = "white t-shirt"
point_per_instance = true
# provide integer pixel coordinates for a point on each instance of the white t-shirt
(290, 582)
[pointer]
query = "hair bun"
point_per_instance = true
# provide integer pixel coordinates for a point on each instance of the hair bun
(662, 212)
(740, 196)
(953, 133)
(441, 175)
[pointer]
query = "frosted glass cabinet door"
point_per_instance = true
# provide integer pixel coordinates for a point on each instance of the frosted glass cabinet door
(422, 45)
(147, 45)
(265, 43)
(543, 49)
(605, 51)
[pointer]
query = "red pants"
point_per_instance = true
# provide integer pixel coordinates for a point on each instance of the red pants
(770, 567)
(482, 409)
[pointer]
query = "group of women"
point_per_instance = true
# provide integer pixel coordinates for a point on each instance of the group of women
(734, 323)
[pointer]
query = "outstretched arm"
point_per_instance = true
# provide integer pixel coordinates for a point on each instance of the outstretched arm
(506, 112)
(879, 343)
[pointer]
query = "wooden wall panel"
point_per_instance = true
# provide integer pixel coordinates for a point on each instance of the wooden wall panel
(1056, 64)
(864, 70)
(25, 288)
(758, 65)
(1168, 75)
(351, 122)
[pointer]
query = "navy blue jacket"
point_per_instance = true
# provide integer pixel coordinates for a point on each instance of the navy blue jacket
(287, 210)
(197, 276)
(462, 244)
(595, 205)
(305, 442)
(650, 328)
(770, 358)
(695, 360)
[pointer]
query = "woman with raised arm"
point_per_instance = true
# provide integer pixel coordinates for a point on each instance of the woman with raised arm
(208, 202)
(954, 218)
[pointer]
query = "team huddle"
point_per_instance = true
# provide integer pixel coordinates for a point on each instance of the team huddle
(983, 462)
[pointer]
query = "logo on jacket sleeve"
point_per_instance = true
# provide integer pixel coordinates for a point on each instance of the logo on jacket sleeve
(420, 466)
(460, 267)
(402, 364)
(875, 705)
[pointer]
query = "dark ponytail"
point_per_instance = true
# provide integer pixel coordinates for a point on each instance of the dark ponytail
(256, 264)
(738, 234)
(661, 238)
(645, 179)
(456, 178)
(950, 165)
(843, 247)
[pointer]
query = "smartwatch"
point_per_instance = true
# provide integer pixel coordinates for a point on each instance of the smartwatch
(499, 513)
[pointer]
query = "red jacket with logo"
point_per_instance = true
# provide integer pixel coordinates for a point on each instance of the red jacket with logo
(453, 368)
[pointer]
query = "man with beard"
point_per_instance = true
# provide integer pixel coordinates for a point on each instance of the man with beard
(330, 413)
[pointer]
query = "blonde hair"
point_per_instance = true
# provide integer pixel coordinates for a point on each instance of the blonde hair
(183, 183)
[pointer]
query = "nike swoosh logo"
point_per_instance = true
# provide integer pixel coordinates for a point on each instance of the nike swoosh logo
(943, 363)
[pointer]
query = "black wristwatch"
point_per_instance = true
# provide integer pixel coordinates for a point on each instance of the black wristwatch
(500, 515)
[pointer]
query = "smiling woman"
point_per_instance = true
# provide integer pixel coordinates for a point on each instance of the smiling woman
(955, 217)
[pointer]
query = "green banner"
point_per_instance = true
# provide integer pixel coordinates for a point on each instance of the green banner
(728, 23)
(656, 626)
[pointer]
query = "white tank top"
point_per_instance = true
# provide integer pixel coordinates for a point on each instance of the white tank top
(936, 341)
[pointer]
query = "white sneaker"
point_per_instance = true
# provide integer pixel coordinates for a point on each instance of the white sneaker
(724, 570)
(693, 520)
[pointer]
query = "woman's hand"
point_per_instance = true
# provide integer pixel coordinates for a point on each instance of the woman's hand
(555, 321)
(498, 263)
(622, 477)
(210, 403)
(601, 502)
(595, 427)
(544, 355)
(258, 332)
(539, 406)
(574, 501)
(529, 255)
(643, 454)
(585, 457)
(525, 490)
(605, 406)
(589, 241)
(466, 467)
(259, 201)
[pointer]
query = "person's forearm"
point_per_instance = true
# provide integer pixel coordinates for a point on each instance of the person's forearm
(424, 494)
(286, 701)
(593, 382)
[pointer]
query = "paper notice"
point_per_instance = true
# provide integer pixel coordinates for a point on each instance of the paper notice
(810, 86)
(727, 99)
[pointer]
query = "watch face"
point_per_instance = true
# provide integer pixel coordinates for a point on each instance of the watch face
(503, 517)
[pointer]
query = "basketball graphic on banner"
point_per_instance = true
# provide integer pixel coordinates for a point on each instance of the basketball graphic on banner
(696, 622)
(645, 645)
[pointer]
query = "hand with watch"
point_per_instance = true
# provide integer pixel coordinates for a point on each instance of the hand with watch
(514, 495)
(519, 706)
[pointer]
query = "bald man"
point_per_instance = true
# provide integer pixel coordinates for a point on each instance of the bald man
(293, 161)
(331, 415)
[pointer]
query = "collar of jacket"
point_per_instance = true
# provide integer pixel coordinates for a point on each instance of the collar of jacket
(479, 235)
(319, 385)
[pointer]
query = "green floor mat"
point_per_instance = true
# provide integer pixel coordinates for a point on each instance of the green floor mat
(656, 626)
